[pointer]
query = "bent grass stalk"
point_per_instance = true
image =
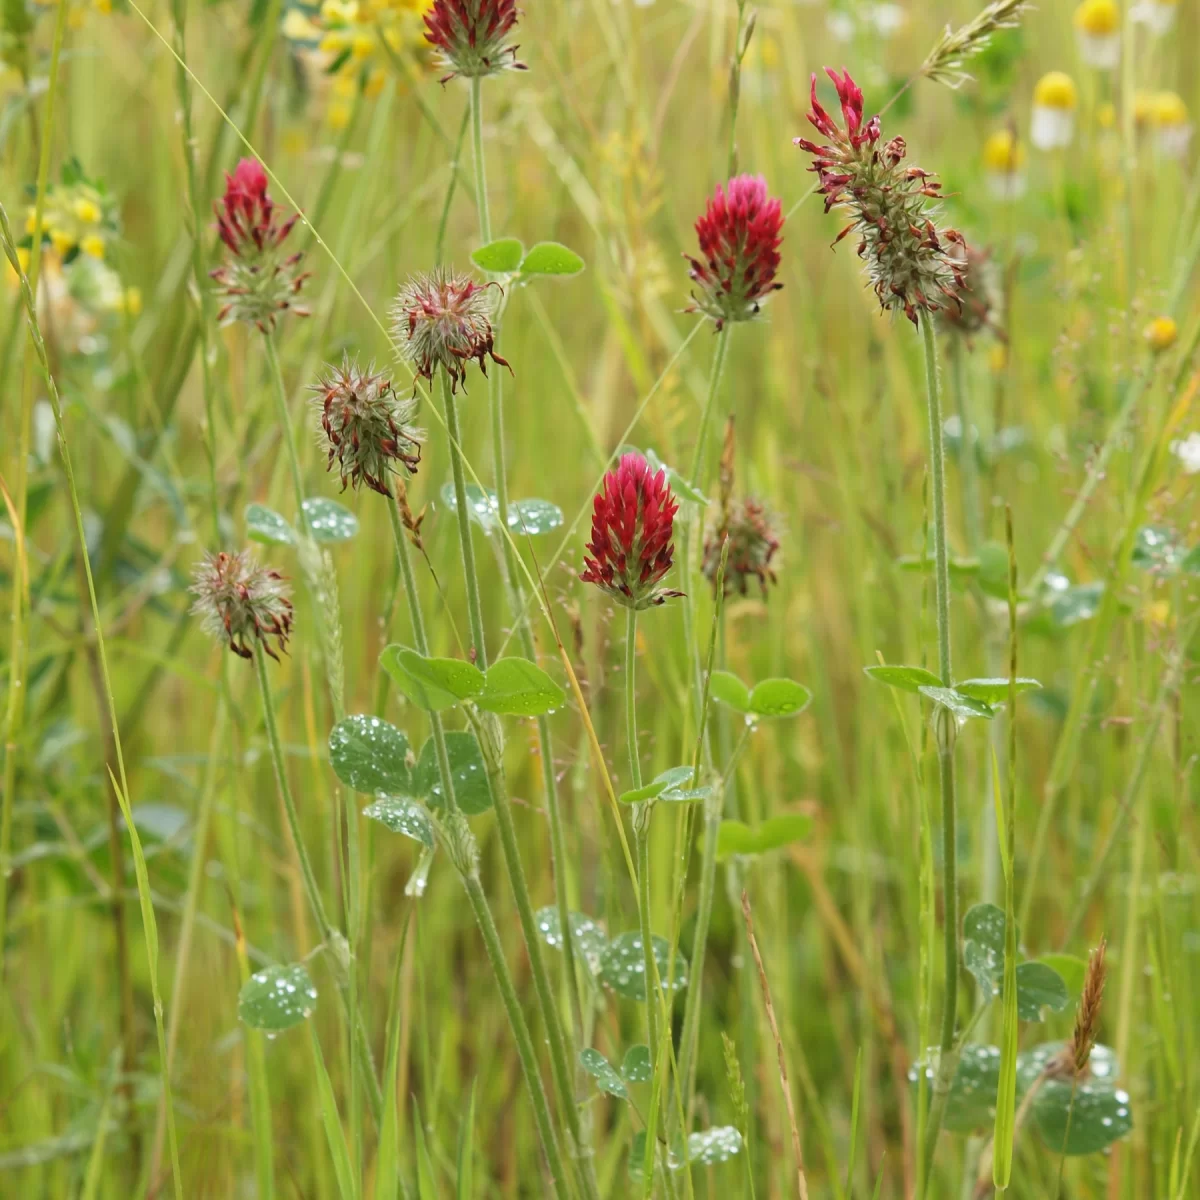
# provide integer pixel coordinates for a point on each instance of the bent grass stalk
(18, 653)
(119, 781)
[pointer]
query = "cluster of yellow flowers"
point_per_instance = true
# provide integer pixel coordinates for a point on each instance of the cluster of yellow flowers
(76, 216)
(354, 40)
(78, 223)
(78, 9)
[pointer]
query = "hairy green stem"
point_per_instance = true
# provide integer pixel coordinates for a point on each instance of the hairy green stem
(289, 436)
(199, 271)
(712, 820)
(470, 577)
(945, 737)
(641, 829)
(525, 1051)
(481, 196)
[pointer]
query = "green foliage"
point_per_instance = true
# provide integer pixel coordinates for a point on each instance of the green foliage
(738, 838)
(517, 687)
(277, 998)
(622, 969)
(603, 1072)
(370, 755)
(767, 699)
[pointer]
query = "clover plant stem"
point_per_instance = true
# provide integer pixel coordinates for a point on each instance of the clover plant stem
(946, 733)
(525, 1050)
(712, 820)
(312, 890)
(289, 438)
(470, 576)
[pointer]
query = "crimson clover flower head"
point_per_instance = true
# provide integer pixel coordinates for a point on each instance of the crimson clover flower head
(753, 544)
(739, 237)
(472, 36)
(444, 319)
(259, 280)
(242, 603)
(631, 550)
(366, 427)
(911, 262)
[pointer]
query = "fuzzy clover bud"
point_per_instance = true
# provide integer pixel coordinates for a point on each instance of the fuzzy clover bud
(1054, 101)
(1098, 32)
(753, 544)
(444, 319)
(259, 280)
(739, 251)
(909, 259)
(631, 550)
(979, 296)
(472, 36)
(242, 603)
(365, 426)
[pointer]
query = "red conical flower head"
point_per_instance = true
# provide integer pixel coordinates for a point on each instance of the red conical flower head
(631, 550)
(739, 237)
(471, 34)
(259, 281)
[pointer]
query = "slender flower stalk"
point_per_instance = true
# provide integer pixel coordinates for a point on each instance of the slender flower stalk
(946, 732)
(462, 512)
(630, 553)
(245, 606)
(470, 880)
(919, 269)
(443, 321)
(712, 816)
(580, 1122)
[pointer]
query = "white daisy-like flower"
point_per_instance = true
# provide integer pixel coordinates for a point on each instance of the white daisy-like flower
(1003, 163)
(1098, 31)
(1054, 102)
(1172, 129)
(1187, 450)
(1157, 15)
